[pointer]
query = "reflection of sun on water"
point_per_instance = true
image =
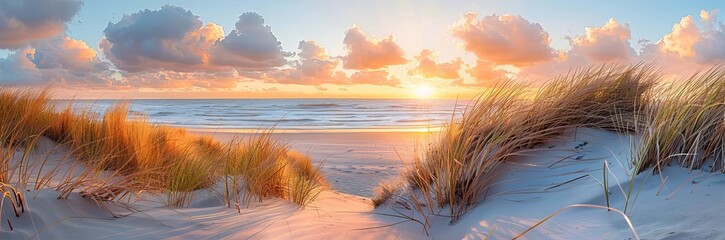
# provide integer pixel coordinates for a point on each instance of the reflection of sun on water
(423, 91)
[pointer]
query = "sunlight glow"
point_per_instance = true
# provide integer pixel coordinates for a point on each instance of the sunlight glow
(424, 91)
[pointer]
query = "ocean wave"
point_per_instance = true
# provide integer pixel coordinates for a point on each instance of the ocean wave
(318, 105)
(352, 121)
(226, 114)
(278, 120)
(163, 114)
(415, 120)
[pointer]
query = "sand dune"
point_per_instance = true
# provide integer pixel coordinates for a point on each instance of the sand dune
(555, 175)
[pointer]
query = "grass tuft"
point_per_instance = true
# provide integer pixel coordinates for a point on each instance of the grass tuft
(123, 155)
(509, 119)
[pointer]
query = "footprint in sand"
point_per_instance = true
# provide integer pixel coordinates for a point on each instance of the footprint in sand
(581, 145)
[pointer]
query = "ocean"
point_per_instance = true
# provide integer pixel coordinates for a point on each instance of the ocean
(292, 114)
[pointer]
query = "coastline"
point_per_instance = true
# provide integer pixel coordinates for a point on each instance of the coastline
(354, 161)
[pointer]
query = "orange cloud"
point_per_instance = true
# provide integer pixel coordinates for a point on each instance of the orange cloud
(315, 67)
(504, 39)
(605, 44)
(378, 77)
(609, 42)
(485, 74)
(428, 68)
(690, 46)
(190, 81)
(23, 21)
(364, 52)
(683, 37)
(61, 60)
(705, 45)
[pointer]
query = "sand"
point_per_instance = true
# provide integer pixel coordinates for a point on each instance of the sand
(558, 175)
(354, 162)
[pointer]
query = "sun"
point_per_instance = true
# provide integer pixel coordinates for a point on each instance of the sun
(423, 91)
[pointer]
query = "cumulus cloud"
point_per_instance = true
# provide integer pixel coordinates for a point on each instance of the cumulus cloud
(22, 21)
(365, 52)
(250, 46)
(428, 68)
(315, 67)
(171, 38)
(485, 74)
(711, 47)
(683, 37)
(609, 42)
(690, 45)
(504, 39)
(376, 77)
(174, 39)
(606, 44)
(61, 60)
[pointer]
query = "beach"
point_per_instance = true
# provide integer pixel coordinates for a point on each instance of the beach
(354, 162)
(362, 120)
(563, 174)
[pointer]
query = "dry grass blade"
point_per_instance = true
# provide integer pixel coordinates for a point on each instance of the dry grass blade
(508, 119)
(629, 223)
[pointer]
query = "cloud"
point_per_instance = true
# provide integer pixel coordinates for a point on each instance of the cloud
(504, 39)
(683, 37)
(315, 67)
(702, 43)
(428, 68)
(690, 45)
(711, 47)
(61, 60)
(174, 39)
(609, 42)
(23, 21)
(250, 46)
(184, 80)
(69, 54)
(377, 77)
(606, 44)
(485, 74)
(167, 39)
(366, 53)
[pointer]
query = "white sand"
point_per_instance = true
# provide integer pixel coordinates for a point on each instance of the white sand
(687, 206)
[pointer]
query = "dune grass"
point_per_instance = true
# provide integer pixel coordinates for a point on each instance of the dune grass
(686, 125)
(509, 119)
(121, 155)
(268, 168)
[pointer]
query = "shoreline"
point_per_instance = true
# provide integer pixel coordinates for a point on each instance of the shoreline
(354, 162)
(316, 130)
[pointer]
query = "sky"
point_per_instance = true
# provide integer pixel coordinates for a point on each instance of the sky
(339, 49)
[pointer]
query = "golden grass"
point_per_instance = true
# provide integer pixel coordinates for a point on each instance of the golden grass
(268, 168)
(24, 114)
(123, 155)
(461, 165)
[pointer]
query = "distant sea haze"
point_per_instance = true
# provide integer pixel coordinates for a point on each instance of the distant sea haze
(292, 114)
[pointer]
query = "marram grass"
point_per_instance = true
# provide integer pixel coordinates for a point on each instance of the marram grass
(680, 124)
(122, 155)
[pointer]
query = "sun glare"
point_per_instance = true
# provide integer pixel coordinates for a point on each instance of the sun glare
(424, 91)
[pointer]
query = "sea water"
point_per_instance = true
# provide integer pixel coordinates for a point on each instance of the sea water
(291, 114)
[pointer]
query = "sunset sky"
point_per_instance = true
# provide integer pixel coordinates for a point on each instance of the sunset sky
(350, 49)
